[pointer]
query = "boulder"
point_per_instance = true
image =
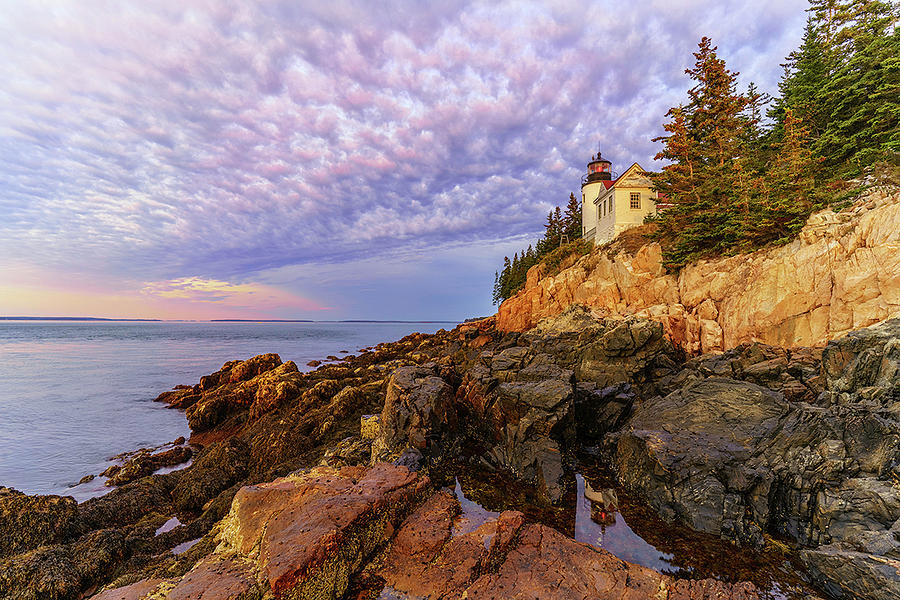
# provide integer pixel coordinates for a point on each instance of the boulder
(522, 402)
(301, 536)
(144, 464)
(217, 468)
(738, 459)
(842, 571)
(419, 412)
(259, 384)
(62, 571)
(27, 522)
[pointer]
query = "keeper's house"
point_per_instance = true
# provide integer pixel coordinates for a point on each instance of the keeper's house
(610, 206)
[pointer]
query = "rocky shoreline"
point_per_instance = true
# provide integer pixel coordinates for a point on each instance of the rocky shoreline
(334, 483)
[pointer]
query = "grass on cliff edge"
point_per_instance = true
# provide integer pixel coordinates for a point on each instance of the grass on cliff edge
(565, 256)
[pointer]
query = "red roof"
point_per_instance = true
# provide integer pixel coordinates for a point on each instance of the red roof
(609, 183)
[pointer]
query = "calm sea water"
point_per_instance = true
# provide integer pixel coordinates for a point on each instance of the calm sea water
(74, 394)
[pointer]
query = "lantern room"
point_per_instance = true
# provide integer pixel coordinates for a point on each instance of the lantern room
(598, 169)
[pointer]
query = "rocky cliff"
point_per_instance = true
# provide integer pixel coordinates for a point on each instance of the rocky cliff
(842, 273)
(344, 482)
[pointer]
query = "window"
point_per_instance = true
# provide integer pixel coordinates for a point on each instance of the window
(635, 200)
(611, 198)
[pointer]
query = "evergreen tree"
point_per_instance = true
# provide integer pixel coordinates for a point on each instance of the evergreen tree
(805, 72)
(572, 218)
(706, 141)
(496, 294)
(788, 193)
(861, 95)
(826, 14)
(559, 227)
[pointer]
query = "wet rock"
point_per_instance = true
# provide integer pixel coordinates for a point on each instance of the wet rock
(522, 402)
(27, 522)
(62, 571)
(419, 412)
(320, 393)
(411, 458)
(599, 411)
(306, 535)
(735, 459)
(863, 367)
(369, 426)
(217, 577)
(693, 454)
(273, 388)
(794, 372)
(136, 591)
(216, 468)
(506, 558)
(843, 572)
(127, 504)
(259, 384)
(144, 464)
(738, 459)
(350, 451)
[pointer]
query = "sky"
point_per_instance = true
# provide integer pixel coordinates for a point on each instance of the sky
(196, 159)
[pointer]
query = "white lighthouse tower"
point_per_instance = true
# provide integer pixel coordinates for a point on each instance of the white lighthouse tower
(598, 171)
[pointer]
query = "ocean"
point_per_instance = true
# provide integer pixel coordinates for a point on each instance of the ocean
(73, 394)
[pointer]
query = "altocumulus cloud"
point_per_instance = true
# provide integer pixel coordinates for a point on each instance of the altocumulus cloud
(196, 289)
(209, 141)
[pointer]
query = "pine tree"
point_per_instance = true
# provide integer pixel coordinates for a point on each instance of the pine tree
(572, 218)
(496, 295)
(826, 14)
(715, 109)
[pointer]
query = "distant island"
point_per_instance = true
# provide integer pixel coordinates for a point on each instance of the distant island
(262, 321)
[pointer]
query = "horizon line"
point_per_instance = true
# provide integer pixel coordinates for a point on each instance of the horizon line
(158, 320)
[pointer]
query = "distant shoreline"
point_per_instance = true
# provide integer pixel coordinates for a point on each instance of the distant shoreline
(71, 319)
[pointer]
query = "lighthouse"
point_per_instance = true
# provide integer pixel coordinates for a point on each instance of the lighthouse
(598, 172)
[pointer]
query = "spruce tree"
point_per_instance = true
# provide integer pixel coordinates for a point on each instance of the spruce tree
(788, 193)
(854, 81)
(572, 218)
(805, 73)
(706, 140)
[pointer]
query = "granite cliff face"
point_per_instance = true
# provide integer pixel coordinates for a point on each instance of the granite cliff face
(842, 273)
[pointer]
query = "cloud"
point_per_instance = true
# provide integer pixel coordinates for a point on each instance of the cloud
(233, 295)
(160, 141)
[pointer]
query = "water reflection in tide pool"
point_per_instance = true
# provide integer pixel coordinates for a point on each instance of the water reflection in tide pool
(626, 527)
(599, 523)
(471, 514)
